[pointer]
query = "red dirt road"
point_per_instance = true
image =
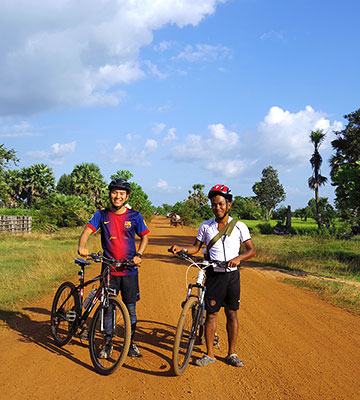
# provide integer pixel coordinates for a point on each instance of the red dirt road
(294, 345)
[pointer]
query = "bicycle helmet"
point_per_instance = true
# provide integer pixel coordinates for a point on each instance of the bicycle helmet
(221, 190)
(120, 184)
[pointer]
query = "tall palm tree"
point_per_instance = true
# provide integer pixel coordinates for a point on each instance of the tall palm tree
(316, 180)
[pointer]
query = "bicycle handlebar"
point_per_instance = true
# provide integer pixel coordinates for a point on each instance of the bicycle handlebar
(112, 262)
(200, 260)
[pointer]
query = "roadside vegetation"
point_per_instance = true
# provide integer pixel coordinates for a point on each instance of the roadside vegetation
(33, 264)
(318, 239)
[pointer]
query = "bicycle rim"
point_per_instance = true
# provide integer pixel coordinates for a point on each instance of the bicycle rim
(117, 329)
(185, 335)
(65, 313)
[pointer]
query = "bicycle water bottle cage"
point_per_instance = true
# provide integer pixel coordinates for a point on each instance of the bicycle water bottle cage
(70, 316)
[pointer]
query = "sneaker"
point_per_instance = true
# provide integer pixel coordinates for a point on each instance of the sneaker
(106, 350)
(134, 351)
(204, 360)
(234, 360)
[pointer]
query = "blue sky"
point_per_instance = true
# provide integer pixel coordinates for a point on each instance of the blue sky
(179, 92)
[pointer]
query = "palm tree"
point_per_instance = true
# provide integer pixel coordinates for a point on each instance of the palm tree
(316, 180)
(86, 179)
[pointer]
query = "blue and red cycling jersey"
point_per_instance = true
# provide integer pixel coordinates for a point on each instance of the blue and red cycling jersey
(118, 234)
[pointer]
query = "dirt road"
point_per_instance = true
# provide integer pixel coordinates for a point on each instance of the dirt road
(294, 345)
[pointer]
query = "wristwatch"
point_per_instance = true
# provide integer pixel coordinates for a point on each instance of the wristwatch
(138, 255)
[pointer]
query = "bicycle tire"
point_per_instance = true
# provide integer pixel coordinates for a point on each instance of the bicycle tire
(185, 337)
(65, 312)
(120, 340)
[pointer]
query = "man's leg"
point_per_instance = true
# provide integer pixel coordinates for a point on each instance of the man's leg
(232, 328)
(210, 329)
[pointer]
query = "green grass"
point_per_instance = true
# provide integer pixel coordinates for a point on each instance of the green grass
(323, 256)
(337, 293)
(33, 264)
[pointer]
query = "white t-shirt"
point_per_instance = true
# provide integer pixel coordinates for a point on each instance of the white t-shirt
(227, 247)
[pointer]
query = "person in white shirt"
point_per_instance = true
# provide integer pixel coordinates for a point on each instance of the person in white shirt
(222, 287)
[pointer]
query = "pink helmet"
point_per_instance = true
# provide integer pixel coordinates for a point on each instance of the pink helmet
(221, 190)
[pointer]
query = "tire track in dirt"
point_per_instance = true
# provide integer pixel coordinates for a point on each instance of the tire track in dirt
(294, 345)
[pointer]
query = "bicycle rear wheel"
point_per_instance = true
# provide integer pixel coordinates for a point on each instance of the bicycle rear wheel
(185, 335)
(65, 312)
(110, 325)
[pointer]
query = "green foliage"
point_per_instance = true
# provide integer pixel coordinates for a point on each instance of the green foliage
(65, 211)
(245, 208)
(6, 156)
(64, 185)
(316, 179)
(345, 167)
(197, 196)
(86, 179)
(269, 192)
(38, 182)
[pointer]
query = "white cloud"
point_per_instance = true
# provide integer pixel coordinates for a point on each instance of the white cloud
(219, 151)
(204, 52)
(272, 35)
(163, 186)
(154, 70)
(57, 155)
(131, 153)
(284, 136)
(164, 45)
(61, 149)
(170, 136)
(77, 53)
(17, 130)
(158, 127)
(151, 145)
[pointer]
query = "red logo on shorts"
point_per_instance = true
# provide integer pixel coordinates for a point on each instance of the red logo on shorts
(213, 303)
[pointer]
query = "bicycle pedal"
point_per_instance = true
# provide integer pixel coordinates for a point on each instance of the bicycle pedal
(84, 335)
(70, 316)
(217, 341)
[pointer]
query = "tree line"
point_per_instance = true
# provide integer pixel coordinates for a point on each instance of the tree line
(69, 202)
(75, 196)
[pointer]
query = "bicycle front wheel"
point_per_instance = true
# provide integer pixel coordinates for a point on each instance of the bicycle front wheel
(110, 336)
(65, 312)
(185, 335)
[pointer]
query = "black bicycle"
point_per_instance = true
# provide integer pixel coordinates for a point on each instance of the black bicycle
(190, 327)
(110, 329)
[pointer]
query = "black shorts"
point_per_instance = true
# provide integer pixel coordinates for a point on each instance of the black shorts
(128, 286)
(222, 290)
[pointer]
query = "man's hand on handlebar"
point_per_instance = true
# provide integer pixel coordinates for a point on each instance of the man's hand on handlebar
(83, 251)
(176, 249)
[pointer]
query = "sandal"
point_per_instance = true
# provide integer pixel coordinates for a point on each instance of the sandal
(234, 360)
(204, 360)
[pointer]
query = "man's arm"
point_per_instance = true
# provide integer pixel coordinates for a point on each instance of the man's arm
(84, 237)
(191, 249)
(144, 240)
(249, 252)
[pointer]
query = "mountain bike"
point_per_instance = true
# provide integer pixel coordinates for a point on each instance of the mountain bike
(191, 324)
(110, 325)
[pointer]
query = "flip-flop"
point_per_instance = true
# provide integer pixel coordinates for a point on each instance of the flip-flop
(204, 360)
(234, 360)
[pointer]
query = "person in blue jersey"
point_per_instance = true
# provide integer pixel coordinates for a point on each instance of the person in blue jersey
(222, 287)
(118, 226)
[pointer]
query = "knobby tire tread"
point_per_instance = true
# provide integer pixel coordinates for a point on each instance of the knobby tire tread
(179, 368)
(120, 305)
(71, 327)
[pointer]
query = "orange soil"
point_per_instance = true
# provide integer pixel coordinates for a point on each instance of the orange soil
(294, 345)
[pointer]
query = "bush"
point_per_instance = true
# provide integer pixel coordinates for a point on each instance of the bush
(65, 211)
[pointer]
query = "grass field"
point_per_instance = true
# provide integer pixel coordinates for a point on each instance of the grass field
(34, 264)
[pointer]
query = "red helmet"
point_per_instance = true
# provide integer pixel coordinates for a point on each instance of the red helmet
(221, 190)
